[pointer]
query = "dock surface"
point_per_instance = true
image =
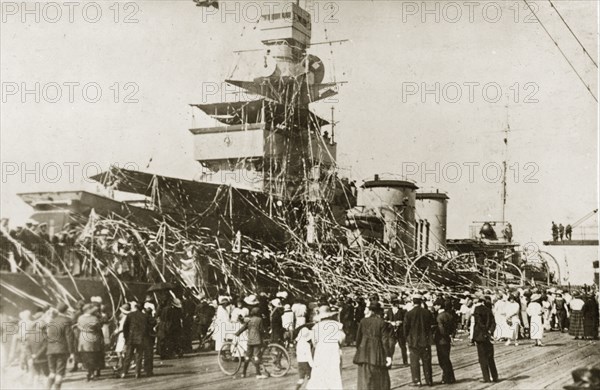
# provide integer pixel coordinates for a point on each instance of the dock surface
(520, 367)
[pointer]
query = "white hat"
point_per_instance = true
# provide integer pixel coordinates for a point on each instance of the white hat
(276, 302)
(96, 299)
(417, 296)
(251, 300)
(282, 295)
(223, 299)
(325, 312)
(25, 315)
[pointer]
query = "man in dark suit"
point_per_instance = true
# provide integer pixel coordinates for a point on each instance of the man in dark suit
(372, 350)
(483, 329)
(417, 331)
(58, 332)
(148, 343)
(395, 316)
(443, 339)
(135, 331)
(347, 319)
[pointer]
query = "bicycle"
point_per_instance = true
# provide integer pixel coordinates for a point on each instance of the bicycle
(275, 360)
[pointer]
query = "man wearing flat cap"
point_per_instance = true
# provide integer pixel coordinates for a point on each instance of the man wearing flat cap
(417, 330)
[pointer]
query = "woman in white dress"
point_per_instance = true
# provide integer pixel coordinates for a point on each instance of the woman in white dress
(536, 325)
(512, 309)
(222, 325)
(120, 345)
(503, 330)
(327, 337)
(238, 313)
(546, 310)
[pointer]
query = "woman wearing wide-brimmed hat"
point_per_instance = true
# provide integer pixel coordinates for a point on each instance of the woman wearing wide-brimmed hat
(120, 345)
(512, 309)
(576, 319)
(536, 325)
(327, 337)
(221, 323)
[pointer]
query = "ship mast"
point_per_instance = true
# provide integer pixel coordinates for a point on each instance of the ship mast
(505, 166)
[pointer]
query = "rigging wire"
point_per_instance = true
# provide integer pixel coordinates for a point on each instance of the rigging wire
(573, 33)
(560, 50)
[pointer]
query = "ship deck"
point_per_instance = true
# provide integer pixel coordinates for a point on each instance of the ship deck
(519, 367)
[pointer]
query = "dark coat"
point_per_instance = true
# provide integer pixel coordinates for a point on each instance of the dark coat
(59, 333)
(136, 328)
(485, 323)
(372, 342)
(445, 328)
(170, 322)
(359, 311)
(263, 305)
(560, 304)
(254, 325)
(205, 313)
(90, 334)
(277, 330)
(399, 316)
(397, 321)
(590, 318)
(347, 315)
(417, 327)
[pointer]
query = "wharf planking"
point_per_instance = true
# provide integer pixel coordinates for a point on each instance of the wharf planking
(520, 367)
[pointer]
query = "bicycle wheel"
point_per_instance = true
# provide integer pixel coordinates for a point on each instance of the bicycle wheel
(276, 360)
(229, 358)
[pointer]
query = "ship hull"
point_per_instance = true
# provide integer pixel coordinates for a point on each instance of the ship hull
(20, 291)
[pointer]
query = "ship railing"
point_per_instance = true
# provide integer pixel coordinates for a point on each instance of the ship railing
(581, 233)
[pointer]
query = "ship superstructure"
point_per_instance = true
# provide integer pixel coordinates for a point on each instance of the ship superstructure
(272, 144)
(268, 211)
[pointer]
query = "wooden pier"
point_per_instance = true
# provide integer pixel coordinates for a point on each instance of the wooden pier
(520, 367)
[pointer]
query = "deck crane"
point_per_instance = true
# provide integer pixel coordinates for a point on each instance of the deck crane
(584, 218)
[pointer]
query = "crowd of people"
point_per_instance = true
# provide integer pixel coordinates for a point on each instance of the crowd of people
(90, 335)
(414, 321)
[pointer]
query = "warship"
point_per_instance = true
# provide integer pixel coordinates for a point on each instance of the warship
(270, 209)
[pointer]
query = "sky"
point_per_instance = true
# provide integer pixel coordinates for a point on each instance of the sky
(490, 61)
